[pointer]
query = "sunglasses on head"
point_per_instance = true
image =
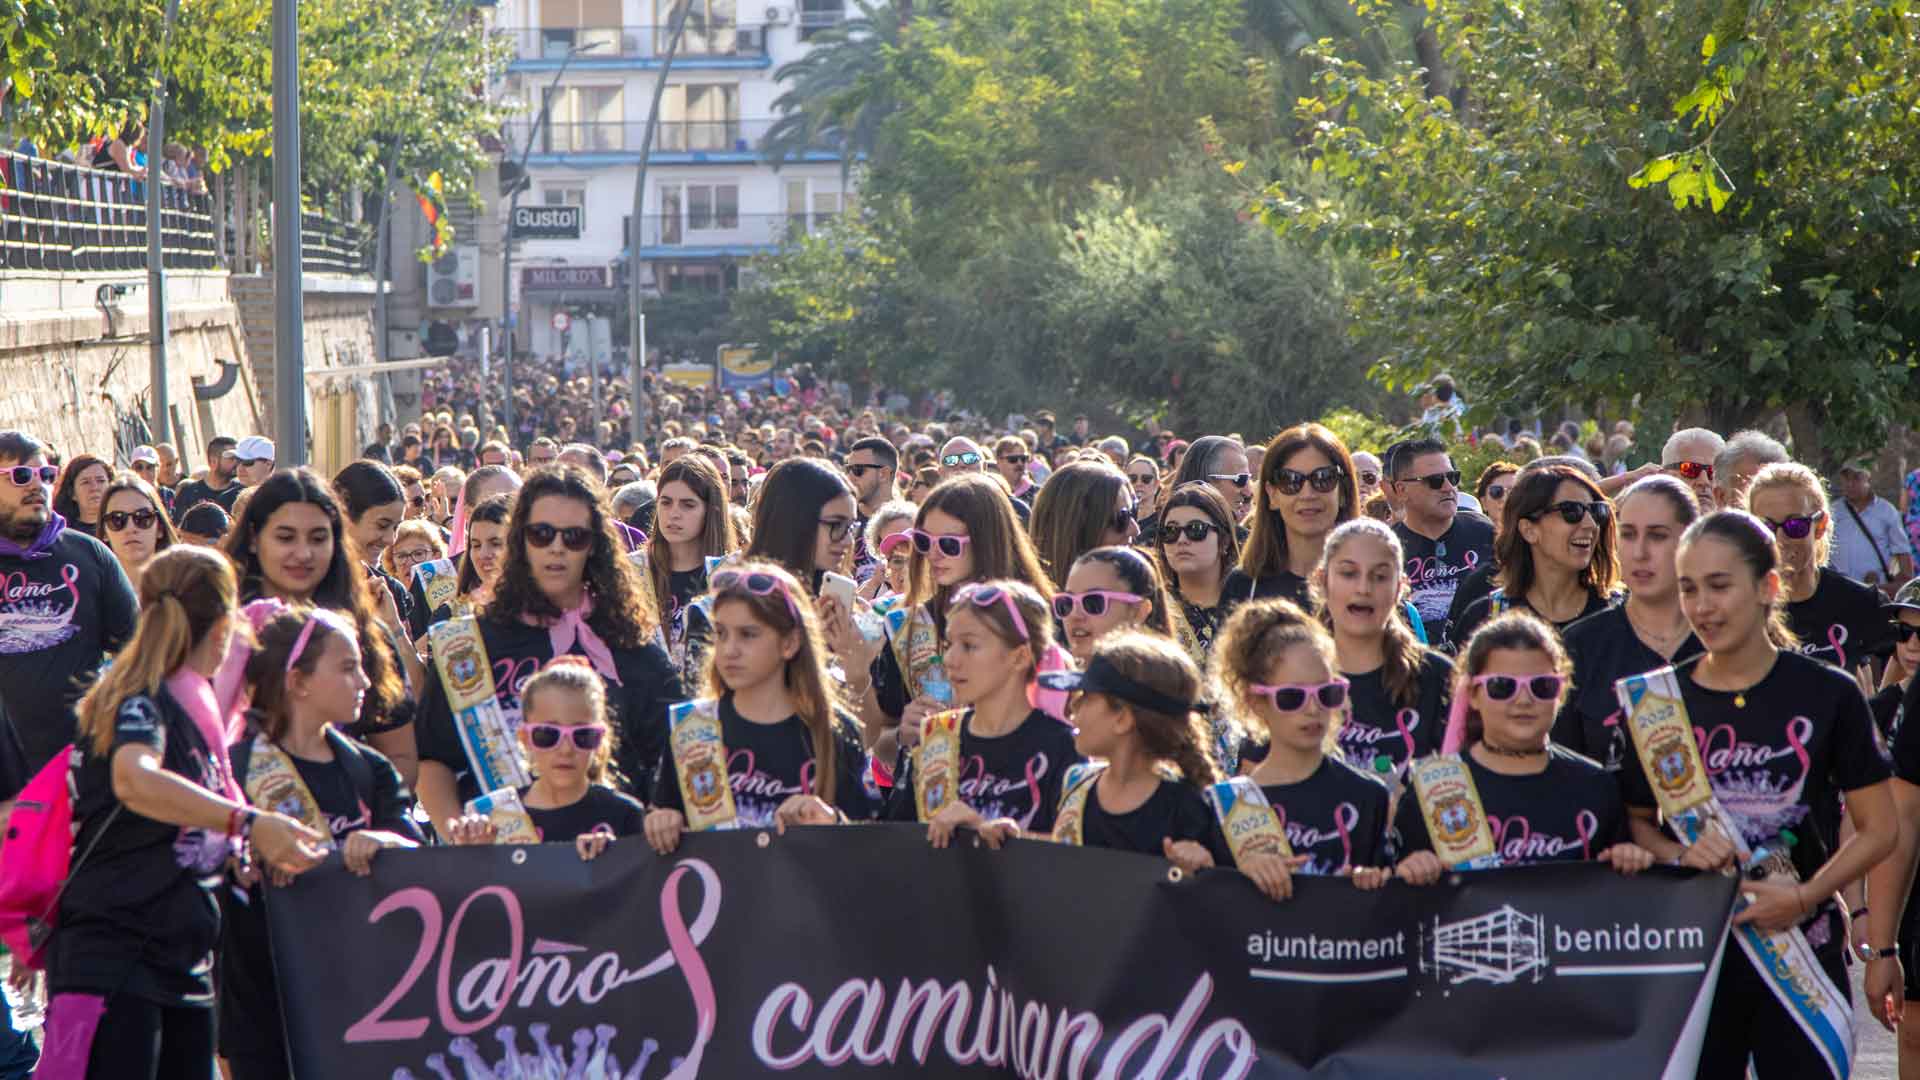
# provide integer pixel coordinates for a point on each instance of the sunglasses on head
(1015, 459)
(1237, 479)
(575, 537)
(1292, 697)
(22, 475)
(858, 471)
(951, 545)
(985, 596)
(584, 736)
(1571, 512)
(1195, 530)
(758, 584)
(1324, 479)
(1504, 687)
(141, 519)
(1691, 470)
(1437, 481)
(1094, 602)
(968, 458)
(1796, 527)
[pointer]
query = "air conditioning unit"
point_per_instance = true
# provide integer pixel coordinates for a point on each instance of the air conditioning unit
(779, 16)
(453, 280)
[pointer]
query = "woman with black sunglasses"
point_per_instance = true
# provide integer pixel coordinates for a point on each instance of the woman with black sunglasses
(1196, 550)
(1307, 489)
(1143, 473)
(1495, 484)
(1836, 618)
(1083, 506)
(1557, 560)
(134, 524)
(795, 492)
(1541, 803)
(1221, 462)
(566, 588)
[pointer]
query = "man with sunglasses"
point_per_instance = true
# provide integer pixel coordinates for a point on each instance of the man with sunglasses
(255, 458)
(872, 465)
(1689, 455)
(221, 483)
(1443, 544)
(1010, 457)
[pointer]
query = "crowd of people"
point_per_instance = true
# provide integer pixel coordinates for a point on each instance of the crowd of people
(243, 669)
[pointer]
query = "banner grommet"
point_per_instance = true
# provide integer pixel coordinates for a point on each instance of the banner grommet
(519, 856)
(763, 840)
(1176, 875)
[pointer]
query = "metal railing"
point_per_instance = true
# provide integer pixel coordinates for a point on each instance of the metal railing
(704, 39)
(724, 226)
(328, 246)
(671, 137)
(67, 218)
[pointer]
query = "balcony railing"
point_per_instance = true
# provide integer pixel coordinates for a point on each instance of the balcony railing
(328, 246)
(723, 226)
(671, 137)
(65, 218)
(704, 39)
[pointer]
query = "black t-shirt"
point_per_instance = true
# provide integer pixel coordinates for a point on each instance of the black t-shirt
(1906, 766)
(198, 491)
(1570, 812)
(1435, 567)
(1474, 586)
(1781, 762)
(600, 810)
(637, 706)
(1207, 622)
(61, 616)
(1017, 775)
(1285, 584)
(1842, 622)
(138, 915)
(767, 764)
(1338, 816)
(1175, 811)
(1604, 649)
(1499, 603)
(1378, 727)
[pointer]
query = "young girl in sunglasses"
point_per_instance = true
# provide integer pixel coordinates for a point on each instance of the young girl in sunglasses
(1543, 804)
(792, 757)
(995, 765)
(1197, 549)
(1836, 618)
(1557, 559)
(1276, 668)
(1307, 488)
(569, 746)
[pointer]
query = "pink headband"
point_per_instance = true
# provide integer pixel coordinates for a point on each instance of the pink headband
(333, 622)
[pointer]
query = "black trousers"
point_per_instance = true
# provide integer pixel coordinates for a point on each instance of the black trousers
(1749, 1022)
(139, 1040)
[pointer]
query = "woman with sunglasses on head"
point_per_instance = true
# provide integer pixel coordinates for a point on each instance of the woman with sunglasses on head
(796, 492)
(565, 588)
(1646, 632)
(793, 757)
(375, 506)
(1307, 489)
(291, 544)
(1001, 771)
(1221, 462)
(966, 532)
(1276, 667)
(1495, 484)
(306, 679)
(1542, 803)
(1557, 558)
(1083, 506)
(570, 747)
(690, 525)
(134, 524)
(82, 491)
(1196, 551)
(1836, 618)
(1785, 740)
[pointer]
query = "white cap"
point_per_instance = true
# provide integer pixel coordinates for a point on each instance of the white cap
(254, 448)
(145, 455)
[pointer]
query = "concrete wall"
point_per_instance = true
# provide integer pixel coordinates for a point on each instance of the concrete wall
(74, 360)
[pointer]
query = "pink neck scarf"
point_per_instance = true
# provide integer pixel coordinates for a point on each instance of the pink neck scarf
(194, 693)
(572, 626)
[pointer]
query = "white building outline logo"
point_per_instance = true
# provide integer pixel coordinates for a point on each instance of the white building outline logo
(1500, 947)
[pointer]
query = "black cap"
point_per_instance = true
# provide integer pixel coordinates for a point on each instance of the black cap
(1101, 677)
(205, 519)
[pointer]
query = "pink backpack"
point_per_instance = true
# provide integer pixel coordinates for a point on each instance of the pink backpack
(35, 859)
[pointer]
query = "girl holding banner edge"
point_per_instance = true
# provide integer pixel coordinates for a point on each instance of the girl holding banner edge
(768, 744)
(1782, 737)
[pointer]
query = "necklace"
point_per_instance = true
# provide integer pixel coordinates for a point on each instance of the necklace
(1504, 751)
(1661, 642)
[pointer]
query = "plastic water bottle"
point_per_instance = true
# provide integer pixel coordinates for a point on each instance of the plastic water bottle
(935, 685)
(871, 626)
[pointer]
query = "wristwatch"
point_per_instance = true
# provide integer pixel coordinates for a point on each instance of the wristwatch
(1867, 952)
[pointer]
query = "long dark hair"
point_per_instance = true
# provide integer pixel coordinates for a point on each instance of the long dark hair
(363, 485)
(1266, 552)
(1073, 511)
(716, 525)
(345, 587)
(1200, 495)
(493, 510)
(164, 537)
(1531, 495)
(785, 519)
(1142, 578)
(64, 503)
(623, 612)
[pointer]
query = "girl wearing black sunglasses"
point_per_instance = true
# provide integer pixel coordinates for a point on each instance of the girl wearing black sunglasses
(569, 747)
(566, 588)
(1542, 803)
(1083, 506)
(792, 755)
(1276, 669)
(1836, 618)
(134, 524)
(795, 493)
(1196, 550)
(1557, 555)
(1307, 489)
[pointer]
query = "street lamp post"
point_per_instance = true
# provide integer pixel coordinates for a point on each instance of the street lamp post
(289, 339)
(160, 430)
(637, 321)
(513, 204)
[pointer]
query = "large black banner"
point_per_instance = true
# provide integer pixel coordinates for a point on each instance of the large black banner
(862, 952)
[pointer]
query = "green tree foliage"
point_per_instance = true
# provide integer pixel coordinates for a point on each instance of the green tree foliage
(1612, 217)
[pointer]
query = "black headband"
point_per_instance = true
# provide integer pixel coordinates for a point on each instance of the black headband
(1101, 677)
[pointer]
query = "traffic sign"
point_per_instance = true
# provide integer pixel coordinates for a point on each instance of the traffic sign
(561, 321)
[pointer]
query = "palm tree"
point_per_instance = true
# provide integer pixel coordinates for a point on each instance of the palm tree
(841, 92)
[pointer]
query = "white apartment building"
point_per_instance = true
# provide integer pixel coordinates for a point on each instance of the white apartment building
(712, 200)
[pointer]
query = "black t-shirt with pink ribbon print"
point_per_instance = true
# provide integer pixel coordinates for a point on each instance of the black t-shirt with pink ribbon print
(1380, 730)
(1842, 622)
(1569, 812)
(1016, 775)
(1780, 754)
(1337, 817)
(1435, 568)
(600, 810)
